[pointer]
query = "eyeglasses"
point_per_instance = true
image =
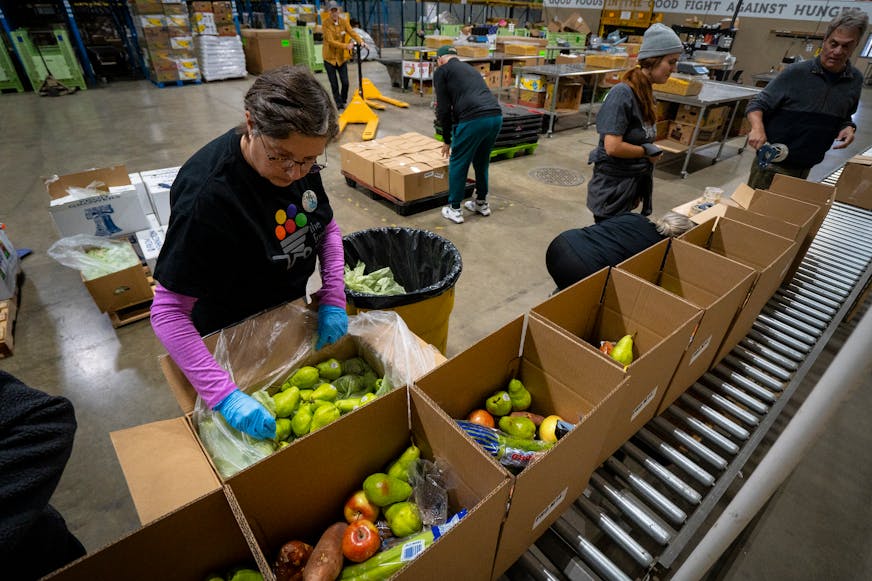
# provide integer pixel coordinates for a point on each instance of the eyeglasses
(310, 165)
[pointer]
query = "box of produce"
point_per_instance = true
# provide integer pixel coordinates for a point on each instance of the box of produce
(202, 540)
(715, 284)
(640, 329)
(515, 407)
(395, 491)
(680, 85)
(272, 357)
(769, 255)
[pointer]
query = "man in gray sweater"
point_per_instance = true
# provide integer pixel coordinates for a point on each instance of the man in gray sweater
(810, 104)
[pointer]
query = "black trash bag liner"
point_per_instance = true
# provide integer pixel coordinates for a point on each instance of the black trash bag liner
(425, 263)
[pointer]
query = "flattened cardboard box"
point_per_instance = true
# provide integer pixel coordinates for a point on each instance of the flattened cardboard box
(717, 285)
(768, 254)
(319, 476)
(610, 304)
(579, 387)
(160, 481)
(855, 184)
(199, 539)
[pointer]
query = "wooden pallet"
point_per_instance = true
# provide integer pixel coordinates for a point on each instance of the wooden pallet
(8, 312)
(402, 207)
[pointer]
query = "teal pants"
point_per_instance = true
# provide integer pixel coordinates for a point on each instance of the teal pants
(471, 143)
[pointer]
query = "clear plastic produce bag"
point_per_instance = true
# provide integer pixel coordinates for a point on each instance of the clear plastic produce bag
(93, 256)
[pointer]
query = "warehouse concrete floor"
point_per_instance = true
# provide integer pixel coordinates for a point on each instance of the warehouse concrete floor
(819, 523)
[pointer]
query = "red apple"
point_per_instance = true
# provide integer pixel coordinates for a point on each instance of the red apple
(360, 541)
(358, 506)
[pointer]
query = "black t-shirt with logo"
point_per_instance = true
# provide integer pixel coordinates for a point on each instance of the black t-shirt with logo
(236, 242)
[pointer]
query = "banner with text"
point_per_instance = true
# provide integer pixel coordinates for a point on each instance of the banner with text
(818, 10)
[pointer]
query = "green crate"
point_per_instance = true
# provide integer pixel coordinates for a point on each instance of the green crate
(504, 31)
(575, 39)
(59, 58)
(8, 75)
(306, 52)
(450, 29)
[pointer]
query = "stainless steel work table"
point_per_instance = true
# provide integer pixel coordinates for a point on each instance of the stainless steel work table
(557, 72)
(713, 93)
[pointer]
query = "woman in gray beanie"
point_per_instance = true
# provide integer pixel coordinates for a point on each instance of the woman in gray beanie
(624, 159)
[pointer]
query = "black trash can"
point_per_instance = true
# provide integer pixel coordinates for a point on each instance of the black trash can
(425, 264)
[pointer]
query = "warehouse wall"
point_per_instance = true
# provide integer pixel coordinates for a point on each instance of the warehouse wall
(756, 49)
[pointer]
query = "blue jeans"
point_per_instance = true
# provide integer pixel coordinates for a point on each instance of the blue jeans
(471, 142)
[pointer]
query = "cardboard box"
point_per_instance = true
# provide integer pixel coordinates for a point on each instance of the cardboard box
(10, 266)
(569, 59)
(421, 70)
(149, 243)
(683, 133)
(580, 387)
(157, 184)
(766, 253)
(575, 23)
(193, 542)
(201, 6)
(662, 129)
(164, 462)
(531, 82)
(714, 117)
(680, 85)
(521, 48)
(433, 41)
(531, 98)
(117, 213)
(665, 110)
(156, 38)
(266, 49)
(716, 285)
(472, 50)
(855, 184)
(610, 304)
(121, 289)
(568, 94)
(337, 464)
(411, 181)
(606, 60)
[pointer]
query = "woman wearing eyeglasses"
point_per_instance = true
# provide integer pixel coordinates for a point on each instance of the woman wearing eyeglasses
(249, 216)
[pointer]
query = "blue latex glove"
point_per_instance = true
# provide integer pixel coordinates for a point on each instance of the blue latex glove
(332, 325)
(245, 414)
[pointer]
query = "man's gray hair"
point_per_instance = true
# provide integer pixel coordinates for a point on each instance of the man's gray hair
(672, 224)
(289, 99)
(850, 18)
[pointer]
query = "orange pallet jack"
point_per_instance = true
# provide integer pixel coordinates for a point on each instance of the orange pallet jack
(360, 109)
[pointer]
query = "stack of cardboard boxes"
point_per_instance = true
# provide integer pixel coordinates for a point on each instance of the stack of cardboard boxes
(164, 32)
(711, 126)
(219, 48)
(407, 167)
(213, 18)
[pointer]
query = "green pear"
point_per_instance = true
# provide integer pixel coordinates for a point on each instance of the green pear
(623, 350)
(519, 395)
(383, 490)
(499, 404)
(400, 468)
(404, 519)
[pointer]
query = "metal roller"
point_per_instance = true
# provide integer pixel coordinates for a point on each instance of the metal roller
(701, 450)
(825, 288)
(654, 497)
(777, 340)
(820, 314)
(690, 467)
(714, 416)
(746, 376)
(631, 509)
(824, 308)
(664, 474)
(786, 328)
(795, 320)
(591, 555)
(615, 532)
(728, 389)
(731, 408)
(808, 287)
(769, 361)
(704, 430)
(768, 341)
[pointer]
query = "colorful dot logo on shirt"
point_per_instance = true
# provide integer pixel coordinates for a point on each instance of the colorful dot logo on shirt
(289, 220)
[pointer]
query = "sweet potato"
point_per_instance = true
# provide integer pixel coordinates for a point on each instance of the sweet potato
(291, 560)
(325, 562)
(535, 418)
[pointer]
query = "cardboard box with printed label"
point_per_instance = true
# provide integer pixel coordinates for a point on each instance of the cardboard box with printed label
(769, 255)
(714, 117)
(117, 213)
(266, 49)
(409, 181)
(715, 284)
(158, 183)
(610, 304)
(580, 387)
(683, 133)
(318, 476)
(855, 184)
(194, 542)
(568, 95)
(150, 241)
(166, 464)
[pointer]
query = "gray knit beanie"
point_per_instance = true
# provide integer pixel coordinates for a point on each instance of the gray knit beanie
(659, 40)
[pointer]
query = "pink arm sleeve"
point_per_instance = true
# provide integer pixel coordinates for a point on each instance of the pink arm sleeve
(332, 258)
(172, 323)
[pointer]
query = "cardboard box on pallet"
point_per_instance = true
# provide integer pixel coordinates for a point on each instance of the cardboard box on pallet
(610, 304)
(318, 477)
(855, 183)
(266, 49)
(121, 289)
(580, 387)
(768, 254)
(117, 213)
(197, 540)
(717, 285)
(165, 464)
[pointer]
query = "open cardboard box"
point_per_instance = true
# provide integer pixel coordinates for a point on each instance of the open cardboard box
(193, 542)
(165, 463)
(303, 490)
(579, 387)
(117, 212)
(717, 285)
(855, 183)
(610, 304)
(769, 255)
(120, 289)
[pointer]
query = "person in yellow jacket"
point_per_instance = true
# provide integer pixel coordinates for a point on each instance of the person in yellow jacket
(338, 47)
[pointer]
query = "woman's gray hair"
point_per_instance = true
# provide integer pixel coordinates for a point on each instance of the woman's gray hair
(850, 18)
(672, 224)
(289, 99)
